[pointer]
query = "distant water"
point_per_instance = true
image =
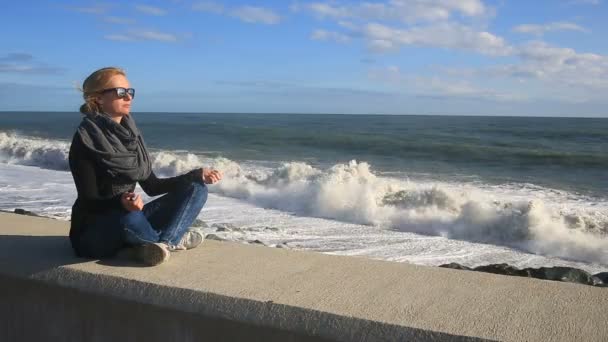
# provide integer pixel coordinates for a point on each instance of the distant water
(532, 185)
(562, 153)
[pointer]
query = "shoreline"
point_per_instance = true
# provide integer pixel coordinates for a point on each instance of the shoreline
(554, 273)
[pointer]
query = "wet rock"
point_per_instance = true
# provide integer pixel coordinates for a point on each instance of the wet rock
(566, 274)
(456, 266)
(281, 245)
(200, 224)
(257, 242)
(502, 269)
(25, 212)
(214, 237)
(225, 227)
(602, 276)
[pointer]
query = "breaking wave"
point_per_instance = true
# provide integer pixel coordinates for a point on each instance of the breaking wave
(534, 219)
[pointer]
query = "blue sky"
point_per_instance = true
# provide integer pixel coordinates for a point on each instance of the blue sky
(456, 57)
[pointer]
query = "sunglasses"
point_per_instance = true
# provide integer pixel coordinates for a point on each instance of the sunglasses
(121, 92)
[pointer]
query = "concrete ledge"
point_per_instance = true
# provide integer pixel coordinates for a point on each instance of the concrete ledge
(229, 291)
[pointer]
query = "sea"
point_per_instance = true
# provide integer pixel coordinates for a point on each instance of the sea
(428, 190)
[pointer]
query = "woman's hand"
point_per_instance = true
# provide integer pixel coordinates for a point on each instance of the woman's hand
(211, 176)
(131, 201)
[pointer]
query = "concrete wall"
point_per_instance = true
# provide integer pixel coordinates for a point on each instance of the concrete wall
(229, 291)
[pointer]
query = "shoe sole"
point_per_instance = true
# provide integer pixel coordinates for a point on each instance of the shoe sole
(196, 241)
(153, 254)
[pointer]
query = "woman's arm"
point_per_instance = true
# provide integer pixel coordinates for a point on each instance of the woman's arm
(154, 186)
(83, 172)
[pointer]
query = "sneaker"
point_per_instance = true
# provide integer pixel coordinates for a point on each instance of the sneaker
(190, 240)
(153, 254)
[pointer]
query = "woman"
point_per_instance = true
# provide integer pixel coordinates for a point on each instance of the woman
(107, 158)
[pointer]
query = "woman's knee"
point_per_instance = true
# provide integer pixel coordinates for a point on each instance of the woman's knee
(132, 218)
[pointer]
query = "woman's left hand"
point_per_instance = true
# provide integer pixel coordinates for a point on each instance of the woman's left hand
(211, 176)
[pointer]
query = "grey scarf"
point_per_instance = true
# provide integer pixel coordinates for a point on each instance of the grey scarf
(118, 148)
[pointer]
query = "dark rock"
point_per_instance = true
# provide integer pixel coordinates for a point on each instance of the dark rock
(214, 237)
(456, 266)
(200, 224)
(25, 212)
(257, 242)
(566, 274)
(502, 269)
(225, 227)
(281, 245)
(602, 276)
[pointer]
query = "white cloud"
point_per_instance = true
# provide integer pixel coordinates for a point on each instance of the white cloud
(558, 66)
(438, 87)
(141, 35)
(95, 9)
(329, 36)
(444, 35)
(397, 10)
(151, 10)
(584, 2)
(539, 30)
(120, 37)
(18, 62)
(118, 20)
(251, 14)
(16, 57)
(552, 72)
(208, 6)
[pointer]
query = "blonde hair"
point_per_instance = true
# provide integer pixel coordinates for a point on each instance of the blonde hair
(92, 85)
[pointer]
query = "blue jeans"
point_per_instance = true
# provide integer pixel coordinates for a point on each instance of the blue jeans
(165, 219)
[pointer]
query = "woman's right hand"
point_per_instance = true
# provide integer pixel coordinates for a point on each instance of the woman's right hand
(131, 201)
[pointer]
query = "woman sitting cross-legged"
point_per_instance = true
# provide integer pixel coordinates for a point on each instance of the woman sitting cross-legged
(107, 158)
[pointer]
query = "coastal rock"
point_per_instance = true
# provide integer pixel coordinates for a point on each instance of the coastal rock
(602, 276)
(456, 266)
(566, 274)
(502, 269)
(200, 224)
(25, 212)
(225, 227)
(257, 242)
(214, 237)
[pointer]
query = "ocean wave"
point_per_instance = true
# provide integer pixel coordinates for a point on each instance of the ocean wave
(352, 193)
(537, 220)
(44, 153)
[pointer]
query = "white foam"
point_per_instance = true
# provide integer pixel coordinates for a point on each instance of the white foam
(48, 154)
(525, 217)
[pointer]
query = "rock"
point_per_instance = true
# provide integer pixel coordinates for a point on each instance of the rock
(200, 224)
(257, 242)
(214, 237)
(567, 274)
(456, 266)
(225, 227)
(602, 276)
(281, 245)
(24, 212)
(502, 269)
